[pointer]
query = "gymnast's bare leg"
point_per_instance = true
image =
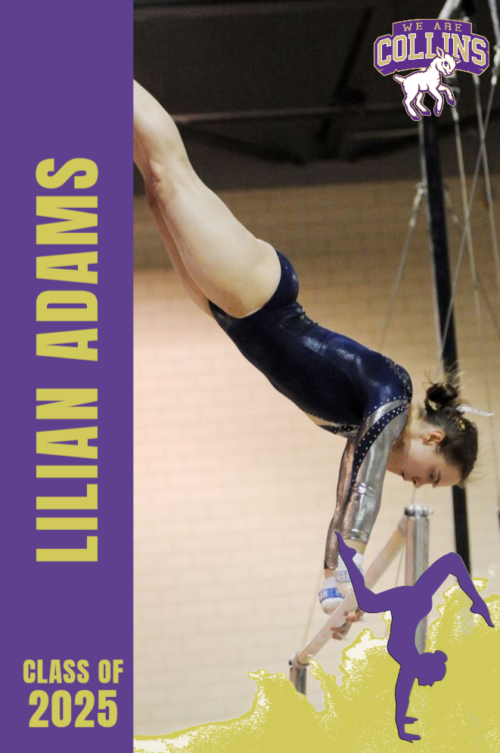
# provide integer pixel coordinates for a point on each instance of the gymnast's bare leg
(216, 257)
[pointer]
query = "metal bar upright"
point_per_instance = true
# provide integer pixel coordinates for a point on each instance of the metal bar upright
(298, 677)
(431, 169)
(417, 556)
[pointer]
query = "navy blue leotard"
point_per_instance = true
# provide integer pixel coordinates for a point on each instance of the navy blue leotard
(354, 391)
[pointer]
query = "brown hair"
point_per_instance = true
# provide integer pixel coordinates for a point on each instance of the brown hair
(460, 443)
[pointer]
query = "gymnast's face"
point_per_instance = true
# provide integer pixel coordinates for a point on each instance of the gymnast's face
(417, 458)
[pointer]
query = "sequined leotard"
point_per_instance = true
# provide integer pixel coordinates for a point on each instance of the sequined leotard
(356, 393)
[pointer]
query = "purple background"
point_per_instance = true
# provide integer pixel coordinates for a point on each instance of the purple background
(67, 92)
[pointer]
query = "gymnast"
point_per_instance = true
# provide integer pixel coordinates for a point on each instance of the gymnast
(408, 605)
(250, 289)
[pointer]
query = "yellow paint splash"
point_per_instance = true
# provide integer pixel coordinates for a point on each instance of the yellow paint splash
(460, 714)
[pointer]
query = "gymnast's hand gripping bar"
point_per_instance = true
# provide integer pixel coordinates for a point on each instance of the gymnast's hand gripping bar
(337, 619)
(412, 529)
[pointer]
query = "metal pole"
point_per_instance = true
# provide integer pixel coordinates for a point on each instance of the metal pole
(282, 113)
(431, 169)
(417, 556)
(298, 677)
(495, 18)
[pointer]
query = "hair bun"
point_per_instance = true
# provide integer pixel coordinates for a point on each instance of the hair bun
(441, 395)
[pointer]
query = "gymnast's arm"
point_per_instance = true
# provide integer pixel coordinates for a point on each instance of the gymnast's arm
(361, 479)
(345, 474)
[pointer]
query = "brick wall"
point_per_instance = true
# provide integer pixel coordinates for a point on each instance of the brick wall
(234, 487)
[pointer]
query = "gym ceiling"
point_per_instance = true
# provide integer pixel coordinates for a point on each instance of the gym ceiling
(286, 92)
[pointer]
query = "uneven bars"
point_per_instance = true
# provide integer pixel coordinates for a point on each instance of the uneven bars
(337, 619)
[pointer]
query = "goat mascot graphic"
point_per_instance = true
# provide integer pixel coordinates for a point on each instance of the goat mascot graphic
(415, 86)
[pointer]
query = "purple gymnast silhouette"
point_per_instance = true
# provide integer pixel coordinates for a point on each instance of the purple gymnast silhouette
(408, 605)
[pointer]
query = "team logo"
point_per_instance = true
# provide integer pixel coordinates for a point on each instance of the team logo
(437, 48)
